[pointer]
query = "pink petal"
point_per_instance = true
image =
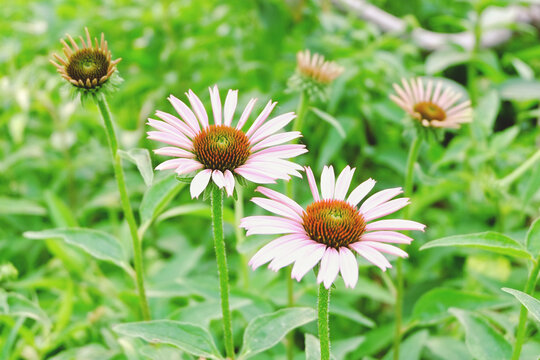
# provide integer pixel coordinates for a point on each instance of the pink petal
(279, 197)
(254, 175)
(273, 248)
(218, 178)
(216, 104)
(245, 114)
(282, 151)
(386, 208)
(165, 127)
(174, 163)
(385, 248)
(174, 151)
(276, 139)
(343, 182)
(271, 127)
(274, 167)
(261, 118)
(371, 255)
(198, 108)
(386, 236)
(268, 225)
(360, 192)
(327, 182)
(312, 183)
(170, 139)
(229, 182)
(348, 267)
(379, 198)
(187, 168)
(288, 255)
(306, 261)
(277, 208)
(329, 267)
(185, 112)
(199, 183)
(177, 123)
(395, 224)
(230, 106)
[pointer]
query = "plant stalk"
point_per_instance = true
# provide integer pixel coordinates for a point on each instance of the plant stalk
(240, 237)
(101, 101)
(323, 306)
(519, 171)
(223, 270)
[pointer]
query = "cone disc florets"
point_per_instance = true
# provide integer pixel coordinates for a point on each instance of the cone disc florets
(88, 67)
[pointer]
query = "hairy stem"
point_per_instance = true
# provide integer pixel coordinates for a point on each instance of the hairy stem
(323, 306)
(101, 101)
(240, 237)
(223, 270)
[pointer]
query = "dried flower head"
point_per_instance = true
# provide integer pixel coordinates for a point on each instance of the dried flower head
(331, 229)
(433, 104)
(88, 67)
(314, 74)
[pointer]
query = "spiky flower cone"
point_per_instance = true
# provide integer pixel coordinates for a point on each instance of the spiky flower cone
(89, 68)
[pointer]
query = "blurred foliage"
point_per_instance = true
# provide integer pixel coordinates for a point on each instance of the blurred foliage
(58, 302)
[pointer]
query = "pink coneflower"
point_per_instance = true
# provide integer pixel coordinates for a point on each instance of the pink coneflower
(220, 151)
(432, 103)
(331, 229)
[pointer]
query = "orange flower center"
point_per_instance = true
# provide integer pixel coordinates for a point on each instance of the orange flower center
(221, 147)
(333, 223)
(430, 111)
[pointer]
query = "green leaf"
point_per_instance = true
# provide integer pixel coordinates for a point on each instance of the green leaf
(491, 241)
(99, 244)
(196, 209)
(329, 119)
(439, 60)
(439, 347)
(532, 241)
(486, 111)
(313, 347)
(267, 330)
(141, 158)
(60, 213)
(157, 197)
(483, 341)
(13, 304)
(433, 306)
(10, 206)
(411, 348)
(532, 304)
(351, 314)
(190, 338)
(520, 89)
(342, 347)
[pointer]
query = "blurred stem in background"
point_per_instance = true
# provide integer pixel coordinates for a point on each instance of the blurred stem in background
(409, 180)
(240, 237)
(323, 305)
(520, 170)
(101, 102)
(223, 270)
(303, 103)
(529, 290)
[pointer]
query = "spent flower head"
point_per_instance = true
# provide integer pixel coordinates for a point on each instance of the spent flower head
(220, 151)
(432, 103)
(331, 229)
(88, 67)
(314, 74)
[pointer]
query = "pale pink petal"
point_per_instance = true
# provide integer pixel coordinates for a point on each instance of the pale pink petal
(429, 88)
(273, 248)
(261, 118)
(312, 255)
(268, 225)
(188, 168)
(385, 248)
(437, 92)
(165, 127)
(379, 198)
(459, 107)
(245, 114)
(329, 267)
(229, 182)
(279, 197)
(176, 122)
(348, 267)
(288, 255)
(216, 104)
(199, 183)
(254, 176)
(343, 182)
(230, 107)
(371, 255)
(403, 97)
(360, 192)
(174, 151)
(271, 127)
(170, 139)
(408, 90)
(282, 151)
(386, 236)
(218, 178)
(400, 102)
(198, 108)
(263, 170)
(312, 183)
(420, 89)
(277, 208)
(174, 163)
(185, 112)
(386, 208)
(278, 168)
(395, 224)
(328, 181)
(276, 139)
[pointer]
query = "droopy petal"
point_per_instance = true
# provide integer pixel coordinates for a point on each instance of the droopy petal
(379, 198)
(348, 267)
(387, 236)
(343, 182)
(229, 182)
(371, 255)
(218, 178)
(307, 260)
(386, 208)
(312, 184)
(395, 224)
(386, 248)
(199, 183)
(360, 192)
(329, 267)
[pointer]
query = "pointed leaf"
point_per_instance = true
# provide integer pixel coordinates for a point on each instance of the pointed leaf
(267, 330)
(491, 241)
(533, 237)
(157, 197)
(532, 304)
(329, 119)
(13, 206)
(14, 304)
(141, 158)
(190, 338)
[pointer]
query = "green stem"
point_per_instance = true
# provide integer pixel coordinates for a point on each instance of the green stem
(324, 321)
(409, 177)
(529, 289)
(303, 103)
(223, 270)
(519, 171)
(240, 237)
(124, 199)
